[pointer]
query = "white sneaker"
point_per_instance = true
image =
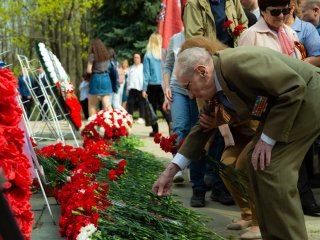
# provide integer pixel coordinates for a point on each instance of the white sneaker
(140, 121)
(178, 178)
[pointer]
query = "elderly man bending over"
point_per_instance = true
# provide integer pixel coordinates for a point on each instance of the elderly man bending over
(279, 91)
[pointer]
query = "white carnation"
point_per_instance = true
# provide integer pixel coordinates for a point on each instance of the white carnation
(86, 232)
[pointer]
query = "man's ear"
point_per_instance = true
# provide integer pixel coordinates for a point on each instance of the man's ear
(201, 69)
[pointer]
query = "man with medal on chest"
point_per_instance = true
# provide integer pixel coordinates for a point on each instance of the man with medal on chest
(279, 91)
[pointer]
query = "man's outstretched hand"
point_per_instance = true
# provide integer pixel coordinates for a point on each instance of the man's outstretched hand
(163, 185)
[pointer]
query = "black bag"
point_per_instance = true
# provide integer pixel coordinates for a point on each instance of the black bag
(114, 77)
(87, 77)
(151, 117)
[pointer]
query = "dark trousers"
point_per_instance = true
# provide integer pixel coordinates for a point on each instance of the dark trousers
(135, 96)
(199, 168)
(44, 106)
(306, 194)
(156, 98)
(27, 104)
(84, 105)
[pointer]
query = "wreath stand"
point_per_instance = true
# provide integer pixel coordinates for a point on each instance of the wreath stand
(50, 120)
(36, 168)
(46, 111)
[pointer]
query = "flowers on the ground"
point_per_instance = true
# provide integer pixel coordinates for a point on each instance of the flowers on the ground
(81, 202)
(113, 124)
(61, 161)
(168, 144)
(72, 171)
(235, 33)
(13, 162)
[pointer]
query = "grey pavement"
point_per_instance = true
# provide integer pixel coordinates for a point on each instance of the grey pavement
(218, 214)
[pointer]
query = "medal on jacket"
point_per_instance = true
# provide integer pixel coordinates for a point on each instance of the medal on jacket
(260, 106)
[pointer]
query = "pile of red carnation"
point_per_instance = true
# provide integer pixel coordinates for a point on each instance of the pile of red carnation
(168, 144)
(14, 163)
(83, 199)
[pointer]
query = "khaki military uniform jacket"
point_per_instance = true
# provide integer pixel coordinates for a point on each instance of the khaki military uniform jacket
(291, 88)
(199, 20)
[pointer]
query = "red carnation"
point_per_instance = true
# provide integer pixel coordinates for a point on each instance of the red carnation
(227, 24)
(61, 168)
(157, 138)
(237, 30)
(122, 164)
(112, 175)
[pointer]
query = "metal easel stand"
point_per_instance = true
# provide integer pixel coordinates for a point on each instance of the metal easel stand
(47, 110)
(36, 164)
(45, 197)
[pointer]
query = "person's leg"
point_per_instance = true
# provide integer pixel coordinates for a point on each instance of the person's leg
(160, 100)
(237, 183)
(141, 102)
(276, 196)
(212, 177)
(308, 201)
(115, 101)
(131, 101)
(106, 102)
(120, 91)
(197, 171)
(233, 157)
(84, 105)
(152, 97)
(193, 112)
(27, 106)
(92, 100)
(184, 114)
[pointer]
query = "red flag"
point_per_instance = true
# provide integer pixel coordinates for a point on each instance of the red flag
(170, 19)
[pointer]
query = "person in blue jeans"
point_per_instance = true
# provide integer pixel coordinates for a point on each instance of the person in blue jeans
(184, 112)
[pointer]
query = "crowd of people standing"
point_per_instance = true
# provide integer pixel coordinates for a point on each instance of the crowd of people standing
(136, 83)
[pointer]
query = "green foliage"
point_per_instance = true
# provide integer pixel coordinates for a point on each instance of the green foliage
(127, 25)
(62, 25)
(137, 213)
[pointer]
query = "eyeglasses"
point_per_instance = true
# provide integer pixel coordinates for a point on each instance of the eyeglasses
(186, 87)
(277, 12)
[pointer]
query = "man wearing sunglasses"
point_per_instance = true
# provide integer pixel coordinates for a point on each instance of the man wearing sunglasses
(311, 12)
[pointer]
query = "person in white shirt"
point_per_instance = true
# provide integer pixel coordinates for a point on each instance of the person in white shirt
(134, 87)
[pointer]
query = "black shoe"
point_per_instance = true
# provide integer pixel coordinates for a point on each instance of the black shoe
(222, 197)
(151, 134)
(311, 209)
(198, 198)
